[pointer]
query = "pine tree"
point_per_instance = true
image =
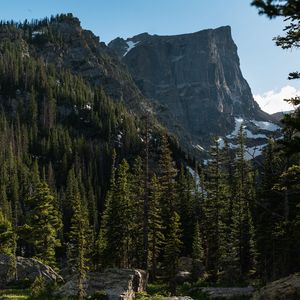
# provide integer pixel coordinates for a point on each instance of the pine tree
(213, 210)
(6, 235)
(197, 244)
(186, 193)
(117, 224)
(79, 243)
(156, 235)
(242, 232)
(137, 203)
(173, 246)
(167, 175)
(43, 224)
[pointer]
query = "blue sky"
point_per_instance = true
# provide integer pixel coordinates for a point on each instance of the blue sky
(264, 65)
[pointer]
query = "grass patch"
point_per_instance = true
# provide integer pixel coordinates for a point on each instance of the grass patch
(15, 294)
(24, 294)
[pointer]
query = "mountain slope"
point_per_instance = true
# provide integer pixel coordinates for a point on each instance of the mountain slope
(196, 80)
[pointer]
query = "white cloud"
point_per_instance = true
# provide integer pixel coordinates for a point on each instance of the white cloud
(272, 101)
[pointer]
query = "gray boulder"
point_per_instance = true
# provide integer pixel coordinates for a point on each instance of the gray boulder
(189, 268)
(27, 269)
(185, 264)
(287, 288)
(228, 292)
(179, 298)
(116, 283)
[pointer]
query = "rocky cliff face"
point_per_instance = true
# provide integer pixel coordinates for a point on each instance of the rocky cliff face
(196, 80)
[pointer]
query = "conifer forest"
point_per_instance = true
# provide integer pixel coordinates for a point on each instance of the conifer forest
(89, 182)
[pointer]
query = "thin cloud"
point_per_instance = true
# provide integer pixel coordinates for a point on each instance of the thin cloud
(273, 101)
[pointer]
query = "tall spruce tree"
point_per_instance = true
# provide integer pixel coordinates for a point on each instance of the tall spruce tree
(156, 231)
(43, 224)
(6, 235)
(173, 246)
(242, 231)
(167, 175)
(115, 236)
(79, 241)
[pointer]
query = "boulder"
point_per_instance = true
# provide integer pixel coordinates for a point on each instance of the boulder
(228, 292)
(194, 267)
(28, 269)
(179, 298)
(287, 288)
(116, 283)
(185, 264)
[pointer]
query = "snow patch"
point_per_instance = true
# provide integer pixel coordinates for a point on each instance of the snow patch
(196, 177)
(130, 46)
(238, 124)
(262, 125)
(198, 147)
(221, 143)
(36, 33)
(266, 125)
(250, 135)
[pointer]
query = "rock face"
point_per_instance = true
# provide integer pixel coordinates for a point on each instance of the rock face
(27, 269)
(117, 283)
(287, 288)
(196, 79)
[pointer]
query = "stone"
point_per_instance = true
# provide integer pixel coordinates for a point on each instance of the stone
(185, 264)
(28, 269)
(194, 267)
(179, 298)
(227, 292)
(118, 284)
(287, 288)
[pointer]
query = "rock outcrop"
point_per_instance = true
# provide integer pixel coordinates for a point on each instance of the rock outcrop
(118, 284)
(228, 292)
(287, 288)
(195, 78)
(28, 269)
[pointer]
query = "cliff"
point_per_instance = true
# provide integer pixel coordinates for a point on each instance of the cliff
(196, 80)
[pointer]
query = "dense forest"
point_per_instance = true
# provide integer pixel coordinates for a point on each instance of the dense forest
(86, 185)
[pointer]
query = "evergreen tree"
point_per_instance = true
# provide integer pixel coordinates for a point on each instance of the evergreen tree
(197, 244)
(242, 231)
(117, 222)
(186, 193)
(79, 242)
(173, 246)
(137, 195)
(167, 175)
(156, 235)
(6, 235)
(43, 224)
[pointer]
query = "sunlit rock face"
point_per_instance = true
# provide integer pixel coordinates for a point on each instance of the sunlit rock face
(195, 79)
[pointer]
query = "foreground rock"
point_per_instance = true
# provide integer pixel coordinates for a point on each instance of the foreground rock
(287, 288)
(228, 292)
(28, 269)
(116, 283)
(179, 298)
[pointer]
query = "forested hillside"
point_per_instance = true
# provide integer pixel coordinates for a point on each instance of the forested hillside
(85, 184)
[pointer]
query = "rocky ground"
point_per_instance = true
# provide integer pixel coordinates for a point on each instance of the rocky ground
(123, 284)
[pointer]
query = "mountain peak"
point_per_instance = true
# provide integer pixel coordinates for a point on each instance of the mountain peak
(195, 78)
